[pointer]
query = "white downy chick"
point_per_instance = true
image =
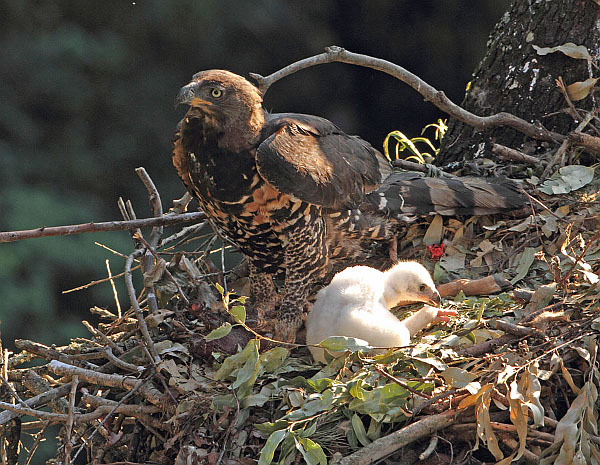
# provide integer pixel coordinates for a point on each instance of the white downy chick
(357, 301)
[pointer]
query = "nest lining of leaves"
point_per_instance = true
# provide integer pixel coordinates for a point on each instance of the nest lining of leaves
(514, 376)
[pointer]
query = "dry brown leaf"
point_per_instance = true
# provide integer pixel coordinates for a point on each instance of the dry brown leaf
(580, 90)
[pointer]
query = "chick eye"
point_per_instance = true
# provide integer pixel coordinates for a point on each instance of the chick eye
(216, 93)
(422, 288)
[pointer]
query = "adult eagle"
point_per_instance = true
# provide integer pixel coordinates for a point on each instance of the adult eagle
(298, 195)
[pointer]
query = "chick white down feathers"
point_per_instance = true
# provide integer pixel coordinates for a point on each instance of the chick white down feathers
(357, 301)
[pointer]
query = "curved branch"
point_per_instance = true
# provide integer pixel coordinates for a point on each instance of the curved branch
(430, 93)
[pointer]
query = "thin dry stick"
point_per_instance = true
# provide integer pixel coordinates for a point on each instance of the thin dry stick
(438, 98)
(38, 439)
(102, 336)
(114, 289)
(563, 147)
(136, 306)
(167, 272)
(12, 236)
(155, 235)
(98, 281)
(70, 420)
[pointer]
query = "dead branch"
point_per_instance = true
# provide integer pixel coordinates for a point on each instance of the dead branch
(514, 155)
(516, 330)
(149, 392)
(585, 140)
(438, 98)
(49, 353)
(165, 220)
(389, 444)
(37, 401)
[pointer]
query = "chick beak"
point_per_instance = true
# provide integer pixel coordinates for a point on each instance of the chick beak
(187, 96)
(435, 299)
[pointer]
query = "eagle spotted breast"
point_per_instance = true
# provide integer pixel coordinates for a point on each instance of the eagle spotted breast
(296, 194)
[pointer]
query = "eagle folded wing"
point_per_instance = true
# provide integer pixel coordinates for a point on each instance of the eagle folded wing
(310, 158)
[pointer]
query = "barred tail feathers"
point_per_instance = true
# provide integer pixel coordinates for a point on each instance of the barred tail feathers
(407, 194)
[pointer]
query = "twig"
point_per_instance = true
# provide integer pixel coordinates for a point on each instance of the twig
(165, 220)
(114, 289)
(401, 383)
(70, 420)
(121, 364)
(136, 306)
(430, 448)
(182, 295)
(98, 281)
(579, 258)
(563, 147)
(104, 337)
(36, 443)
(438, 98)
(516, 330)
(155, 236)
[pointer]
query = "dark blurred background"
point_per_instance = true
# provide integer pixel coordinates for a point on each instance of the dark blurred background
(86, 96)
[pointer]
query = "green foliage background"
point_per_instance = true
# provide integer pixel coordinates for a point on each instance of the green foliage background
(86, 92)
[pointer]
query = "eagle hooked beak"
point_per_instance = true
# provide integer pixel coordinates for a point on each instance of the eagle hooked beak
(187, 96)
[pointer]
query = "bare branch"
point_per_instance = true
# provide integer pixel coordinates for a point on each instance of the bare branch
(150, 393)
(585, 140)
(514, 155)
(169, 219)
(431, 94)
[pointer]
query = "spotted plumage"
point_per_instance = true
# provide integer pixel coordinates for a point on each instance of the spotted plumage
(296, 194)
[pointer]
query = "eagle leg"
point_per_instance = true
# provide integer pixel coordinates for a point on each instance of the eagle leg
(306, 261)
(264, 297)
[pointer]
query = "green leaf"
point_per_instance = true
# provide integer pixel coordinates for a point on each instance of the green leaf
(219, 332)
(239, 313)
(268, 451)
(220, 288)
(311, 451)
(342, 343)
(233, 362)
(250, 369)
(359, 430)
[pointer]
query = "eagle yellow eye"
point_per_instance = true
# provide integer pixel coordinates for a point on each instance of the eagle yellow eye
(216, 93)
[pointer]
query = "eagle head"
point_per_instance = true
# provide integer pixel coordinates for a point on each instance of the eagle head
(225, 106)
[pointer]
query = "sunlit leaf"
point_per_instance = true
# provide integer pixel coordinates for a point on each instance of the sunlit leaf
(580, 90)
(239, 313)
(311, 451)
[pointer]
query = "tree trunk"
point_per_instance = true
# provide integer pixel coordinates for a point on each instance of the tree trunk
(514, 78)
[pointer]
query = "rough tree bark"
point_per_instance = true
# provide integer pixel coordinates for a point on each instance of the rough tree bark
(514, 78)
